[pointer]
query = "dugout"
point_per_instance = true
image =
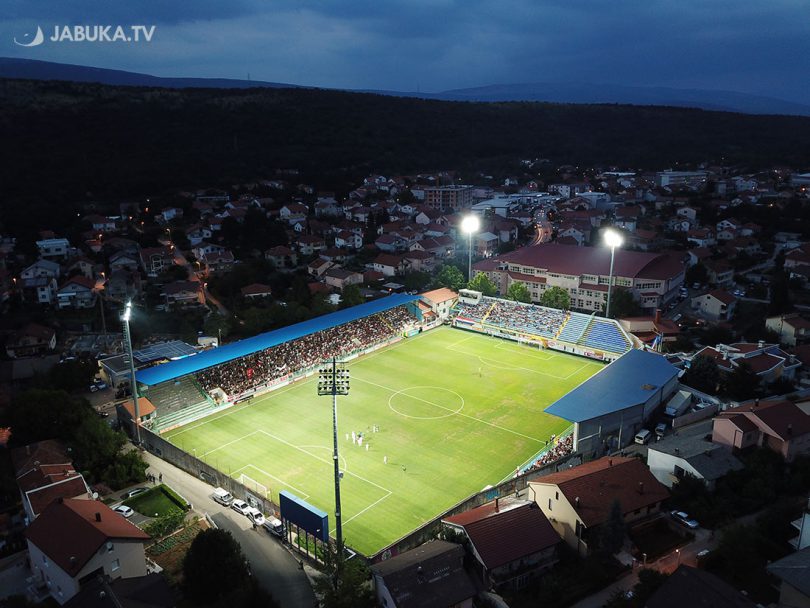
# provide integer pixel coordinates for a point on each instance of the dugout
(609, 408)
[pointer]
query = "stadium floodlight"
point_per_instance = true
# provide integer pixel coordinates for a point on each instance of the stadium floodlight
(125, 317)
(612, 239)
(334, 380)
(470, 224)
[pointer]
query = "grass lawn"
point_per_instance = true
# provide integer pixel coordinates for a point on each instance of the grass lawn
(456, 411)
(153, 503)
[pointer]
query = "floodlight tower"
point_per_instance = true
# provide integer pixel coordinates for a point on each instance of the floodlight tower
(334, 380)
(470, 224)
(612, 239)
(134, 386)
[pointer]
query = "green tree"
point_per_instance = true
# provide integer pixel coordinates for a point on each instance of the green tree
(742, 383)
(351, 296)
(622, 304)
(519, 293)
(451, 277)
(613, 530)
(482, 283)
(71, 376)
(780, 294)
(416, 281)
(556, 297)
(217, 325)
(703, 374)
(213, 567)
(346, 584)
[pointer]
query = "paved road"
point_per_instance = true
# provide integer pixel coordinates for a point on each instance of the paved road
(272, 564)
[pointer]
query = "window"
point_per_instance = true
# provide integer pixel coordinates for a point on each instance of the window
(549, 504)
(109, 547)
(556, 495)
(116, 564)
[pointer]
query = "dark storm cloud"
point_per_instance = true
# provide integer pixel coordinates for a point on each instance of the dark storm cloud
(747, 45)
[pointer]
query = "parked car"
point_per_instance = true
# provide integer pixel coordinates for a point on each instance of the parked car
(240, 506)
(99, 384)
(660, 429)
(274, 526)
(222, 496)
(255, 516)
(124, 510)
(683, 518)
(134, 492)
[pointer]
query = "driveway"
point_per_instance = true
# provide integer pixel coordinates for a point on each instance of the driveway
(272, 564)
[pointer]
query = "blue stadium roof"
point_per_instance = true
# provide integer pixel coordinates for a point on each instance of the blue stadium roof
(628, 381)
(234, 350)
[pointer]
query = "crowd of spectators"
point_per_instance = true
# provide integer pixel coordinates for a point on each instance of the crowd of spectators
(559, 449)
(537, 320)
(252, 372)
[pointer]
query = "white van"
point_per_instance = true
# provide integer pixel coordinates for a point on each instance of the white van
(222, 496)
(274, 526)
(643, 437)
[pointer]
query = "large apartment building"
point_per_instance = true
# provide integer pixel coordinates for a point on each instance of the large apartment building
(449, 198)
(584, 272)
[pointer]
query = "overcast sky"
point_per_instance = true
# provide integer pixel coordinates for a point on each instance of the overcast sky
(752, 46)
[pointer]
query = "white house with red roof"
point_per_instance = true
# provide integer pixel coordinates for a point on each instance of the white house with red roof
(77, 292)
(768, 361)
(792, 328)
(718, 305)
(74, 541)
(388, 265)
(441, 301)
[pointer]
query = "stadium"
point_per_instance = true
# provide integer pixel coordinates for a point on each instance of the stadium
(444, 405)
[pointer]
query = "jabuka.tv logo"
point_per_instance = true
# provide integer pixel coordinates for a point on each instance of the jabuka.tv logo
(89, 33)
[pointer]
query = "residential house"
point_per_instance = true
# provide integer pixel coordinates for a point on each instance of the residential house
(82, 266)
(391, 243)
(729, 224)
(780, 426)
(76, 292)
(486, 244)
(420, 261)
(389, 265)
(206, 248)
(41, 269)
(792, 328)
(293, 212)
(169, 214)
(198, 233)
(340, 278)
(99, 223)
(310, 244)
(797, 258)
(41, 290)
(155, 260)
(578, 501)
(348, 240)
(507, 230)
(571, 231)
(701, 237)
(718, 305)
(433, 229)
(793, 572)
(123, 286)
(282, 257)
(627, 217)
(699, 255)
(689, 586)
(319, 266)
(677, 456)
(333, 254)
(432, 575)
(721, 273)
(441, 247)
(217, 262)
(73, 541)
(678, 224)
(146, 411)
(256, 290)
(726, 234)
(427, 216)
(54, 248)
(124, 260)
(511, 542)
(768, 361)
(689, 213)
(150, 591)
(184, 293)
(31, 340)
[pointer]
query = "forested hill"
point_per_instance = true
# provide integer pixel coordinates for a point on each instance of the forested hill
(63, 140)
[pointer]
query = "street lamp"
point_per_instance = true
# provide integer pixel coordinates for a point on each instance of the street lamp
(334, 380)
(470, 224)
(612, 239)
(134, 385)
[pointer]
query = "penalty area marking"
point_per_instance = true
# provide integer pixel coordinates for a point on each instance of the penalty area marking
(404, 392)
(299, 491)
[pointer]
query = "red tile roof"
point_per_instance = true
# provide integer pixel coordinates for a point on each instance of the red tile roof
(597, 484)
(47, 452)
(72, 487)
(722, 295)
(69, 534)
(255, 289)
(440, 295)
(145, 407)
(502, 537)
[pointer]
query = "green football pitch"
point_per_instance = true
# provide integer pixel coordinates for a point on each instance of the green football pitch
(456, 411)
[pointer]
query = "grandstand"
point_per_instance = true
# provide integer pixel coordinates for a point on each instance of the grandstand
(586, 334)
(181, 390)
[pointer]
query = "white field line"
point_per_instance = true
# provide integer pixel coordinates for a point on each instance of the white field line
(359, 513)
(492, 424)
(225, 445)
(511, 347)
(299, 491)
(488, 362)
